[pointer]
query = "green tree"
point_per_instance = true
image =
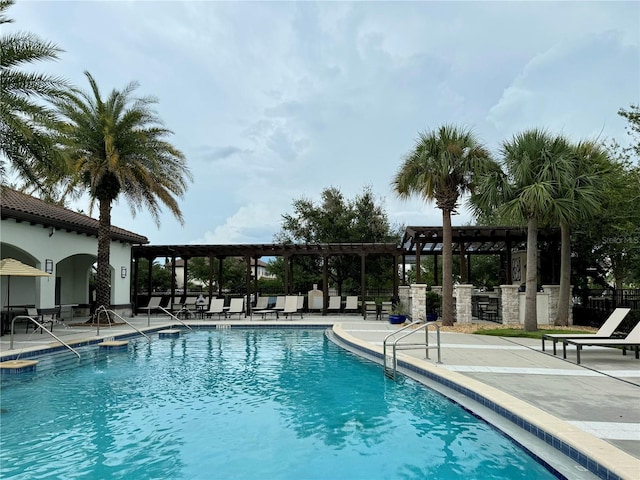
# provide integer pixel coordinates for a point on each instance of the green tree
(117, 147)
(25, 144)
(160, 276)
(633, 129)
(527, 192)
(582, 190)
(442, 167)
(335, 220)
(234, 271)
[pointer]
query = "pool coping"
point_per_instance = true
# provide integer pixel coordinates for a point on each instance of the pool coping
(596, 455)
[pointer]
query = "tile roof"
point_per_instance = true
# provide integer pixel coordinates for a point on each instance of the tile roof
(25, 208)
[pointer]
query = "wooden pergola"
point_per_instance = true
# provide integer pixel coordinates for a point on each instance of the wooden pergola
(255, 251)
(472, 240)
(416, 243)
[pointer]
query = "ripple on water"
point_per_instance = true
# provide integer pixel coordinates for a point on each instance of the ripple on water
(240, 404)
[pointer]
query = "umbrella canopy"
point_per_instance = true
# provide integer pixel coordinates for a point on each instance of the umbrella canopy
(10, 267)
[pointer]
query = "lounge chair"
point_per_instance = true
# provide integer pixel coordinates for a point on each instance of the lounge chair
(292, 306)
(279, 306)
(335, 303)
(262, 308)
(235, 306)
(176, 304)
(370, 308)
(632, 340)
(605, 331)
(153, 305)
(216, 307)
(351, 304)
(385, 309)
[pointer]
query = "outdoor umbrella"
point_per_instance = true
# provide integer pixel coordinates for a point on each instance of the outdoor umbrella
(10, 267)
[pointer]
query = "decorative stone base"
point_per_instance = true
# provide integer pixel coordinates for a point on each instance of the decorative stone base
(18, 366)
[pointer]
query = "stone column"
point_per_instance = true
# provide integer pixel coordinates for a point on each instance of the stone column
(404, 295)
(554, 296)
(463, 303)
(418, 301)
(510, 304)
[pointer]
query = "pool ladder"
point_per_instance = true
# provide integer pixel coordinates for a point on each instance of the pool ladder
(42, 329)
(390, 362)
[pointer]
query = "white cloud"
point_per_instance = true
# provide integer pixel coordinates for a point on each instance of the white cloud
(271, 101)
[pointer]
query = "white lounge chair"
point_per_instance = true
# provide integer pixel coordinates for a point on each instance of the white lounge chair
(632, 340)
(335, 303)
(351, 304)
(216, 307)
(605, 331)
(279, 306)
(292, 306)
(385, 309)
(370, 308)
(262, 309)
(236, 305)
(153, 305)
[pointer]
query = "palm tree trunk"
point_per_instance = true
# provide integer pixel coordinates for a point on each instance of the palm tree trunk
(103, 276)
(447, 269)
(530, 309)
(565, 276)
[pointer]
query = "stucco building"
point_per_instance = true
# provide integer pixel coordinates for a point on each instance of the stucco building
(63, 243)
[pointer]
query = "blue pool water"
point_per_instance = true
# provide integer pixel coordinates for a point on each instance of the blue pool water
(245, 404)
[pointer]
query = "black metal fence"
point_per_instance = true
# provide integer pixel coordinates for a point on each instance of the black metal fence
(593, 306)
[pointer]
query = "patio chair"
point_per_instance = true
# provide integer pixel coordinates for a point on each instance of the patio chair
(236, 305)
(33, 313)
(385, 309)
(370, 308)
(216, 307)
(262, 308)
(351, 304)
(279, 306)
(262, 303)
(152, 306)
(176, 304)
(605, 331)
(632, 340)
(292, 306)
(335, 303)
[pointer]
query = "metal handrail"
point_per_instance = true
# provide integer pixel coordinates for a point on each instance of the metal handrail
(175, 318)
(103, 309)
(391, 371)
(42, 328)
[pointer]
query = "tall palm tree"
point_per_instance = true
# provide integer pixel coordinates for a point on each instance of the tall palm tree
(579, 200)
(25, 144)
(535, 166)
(116, 147)
(442, 167)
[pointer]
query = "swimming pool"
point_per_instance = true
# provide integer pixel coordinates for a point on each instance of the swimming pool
(249, 404)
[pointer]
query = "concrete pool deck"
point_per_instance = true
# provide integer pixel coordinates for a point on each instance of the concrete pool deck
(594, 406)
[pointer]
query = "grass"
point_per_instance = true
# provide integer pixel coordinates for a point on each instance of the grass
(518, 332)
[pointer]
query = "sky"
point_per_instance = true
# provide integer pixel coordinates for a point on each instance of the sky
(275, 101)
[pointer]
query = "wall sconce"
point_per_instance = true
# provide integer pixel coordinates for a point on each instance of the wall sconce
(48, 265)
(123, 272)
